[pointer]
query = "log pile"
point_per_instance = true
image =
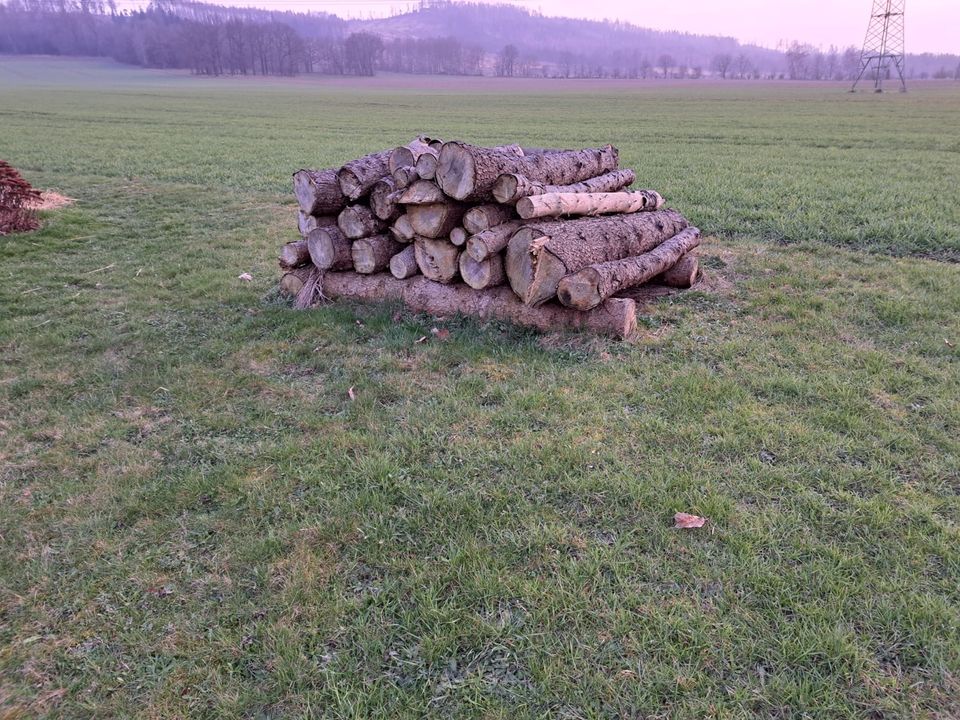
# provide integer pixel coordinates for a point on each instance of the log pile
(538, 237)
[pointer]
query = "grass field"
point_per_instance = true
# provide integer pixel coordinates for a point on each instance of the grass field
(197, 521)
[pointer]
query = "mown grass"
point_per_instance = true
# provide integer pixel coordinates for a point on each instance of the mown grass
(197, 521)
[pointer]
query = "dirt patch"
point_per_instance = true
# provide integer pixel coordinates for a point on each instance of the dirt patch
(50, 200)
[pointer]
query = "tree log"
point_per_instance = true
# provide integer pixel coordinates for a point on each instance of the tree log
(404, 263)
(492, 241)
(588, 204)
(318, 192)
(591, 286)
(468, 172)
(329, 249)
(484, 217)
(482, 275)
(383, 200)
(357, 221)
(308, 223)
(406, 155)
(294, 254)
(373, 254)
(437, 259)
(358, 177)
(510, 187)
(540, 254)
(435, 220)
(292, 282)
(458, 236)
(427, 166)
(402, 230)
(684, 274)
(404, 177)
(422, 192)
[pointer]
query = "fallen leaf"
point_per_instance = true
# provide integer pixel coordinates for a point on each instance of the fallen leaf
(420, 340)
(440, 333)
(246, 277)
(687, 521)
(948, 343)
(351, 394)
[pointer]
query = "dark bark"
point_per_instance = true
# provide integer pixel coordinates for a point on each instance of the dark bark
(510, 187)
(358, 177)
(383, 200)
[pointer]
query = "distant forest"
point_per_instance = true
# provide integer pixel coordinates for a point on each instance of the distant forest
(440, 37)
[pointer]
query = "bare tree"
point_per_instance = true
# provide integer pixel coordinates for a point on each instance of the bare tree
(722, 63)
(744, 66)
(362, 52)
(666, 62)
(507, 60)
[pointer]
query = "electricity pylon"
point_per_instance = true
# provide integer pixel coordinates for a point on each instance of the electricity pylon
(883, 46)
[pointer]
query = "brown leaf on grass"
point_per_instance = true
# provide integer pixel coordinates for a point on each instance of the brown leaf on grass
(246, 277)
(419, 340)
(686, 521)
(440, 333)
(352, 395)
(948, 343)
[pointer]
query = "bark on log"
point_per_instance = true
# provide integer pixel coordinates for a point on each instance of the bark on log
(402, 230)
(406, 155)
(468, 172)
(510, 187)
(422, 192)
(294, 254)
(308, 223)
(358, 177)
(435, 220)
(484, 217)
(383, 200)
(404, 177)
(482, 275)
(616, 316)
(292, 282)
(357, 221)
(587, 204)
(437, 259)
(492, 241)
(540, 254)
(318, 192)
(373, 254)
(684, 274)
(404, 263)
(591, 286)
(329, 249)
(458, 236)
(427, 166)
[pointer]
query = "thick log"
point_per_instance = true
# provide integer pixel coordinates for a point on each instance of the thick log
(358, 177)
(406, 155)
(404, 263)
(329, 249)
(383, 200)
(540, 254)
(458, 236)
(437, 259)
(482, 275)
(404, 177)
(357, 221)
(373, 254)
(587, 204)
(616, 316)
(591, 286)
(294, 254)
(422, 192)
(510, 187)
(484, 217)
(685, 273)
(308, 223)
(293, 281)
(402, 230)
(467, 172)
(492, 241)
(435, 220)
(318, 192)
(427, 165)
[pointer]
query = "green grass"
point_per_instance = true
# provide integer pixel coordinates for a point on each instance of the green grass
(197, 521)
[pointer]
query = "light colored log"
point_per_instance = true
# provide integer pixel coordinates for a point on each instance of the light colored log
(437, 259)
(482, 275)
(587, 204)
(404, 263)
(492, 241)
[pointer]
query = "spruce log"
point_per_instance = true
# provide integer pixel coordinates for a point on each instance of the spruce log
(406, 155)
(293, 281)
(482, 275)
(318, 192)
(294, 254)
(435, 220)
(422, 192)
(510, 187)
(616, 316)
(484, 217)
(587, 204)
(358, 177)
(402, 230)
(458, 236)
(357, 221)
(437, 259)
(427, 166)
(684, 274)
(404, 177)
(591, 286)
(468, 172)
(404, 263)
(308, 223)
(492, 241)
(373, 254)
(383, 200)
(329, 249)
(540, 254)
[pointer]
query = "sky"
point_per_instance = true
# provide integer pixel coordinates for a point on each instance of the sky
(932, 25)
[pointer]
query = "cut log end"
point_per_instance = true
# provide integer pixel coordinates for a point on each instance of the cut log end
(373, 254)
(456, 171)
(482, 275)
(404, 264)
(580, 290)
(437, 259)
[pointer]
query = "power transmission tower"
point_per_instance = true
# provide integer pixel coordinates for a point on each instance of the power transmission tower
(883, 46)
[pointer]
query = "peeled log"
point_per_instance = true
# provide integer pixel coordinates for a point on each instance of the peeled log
(383, 200)
(404, 263)
(492, 241)
(404, 177)
(483, 217)
(540, 254)
(358, 177)
(592, 285)
(468, 172)
(616, 316)
(437, 259)
(482, 275)
(294, 254)
(586, 204)
(510, 187)
(406, 155)
(427, 166)
(422, 192)
(435, 220)
(318, 192)
(292, 282)
(329, 249)
(402, 230)
(684, 274)
(373, 254)
(458, 236)
(357, 221)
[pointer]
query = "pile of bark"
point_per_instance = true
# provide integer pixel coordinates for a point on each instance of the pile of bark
(538, 237)
(17, 200)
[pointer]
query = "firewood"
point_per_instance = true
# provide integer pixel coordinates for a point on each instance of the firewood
(490, 242)
(402, 230)
(358, 177)
(294, 254)
(591, 286)
(458, 236)
(307, 223)
(383, 200)
(482, 275)
(318, 192)
(435, 220)
(329, 249)
(467, 172)
(437, 259)
(404, 263)
(484, 217)
(292, 282)
(540, 254)
(373, 254)
(586, 204)
(404, 177)
(685, 273)
(427, 166)
(422, 192)
(357, 221)
(406, 155)
(510, 187)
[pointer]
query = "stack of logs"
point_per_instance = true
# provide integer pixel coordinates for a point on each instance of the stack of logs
(544, 238)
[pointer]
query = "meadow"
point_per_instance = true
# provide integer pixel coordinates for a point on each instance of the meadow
(198, 521)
